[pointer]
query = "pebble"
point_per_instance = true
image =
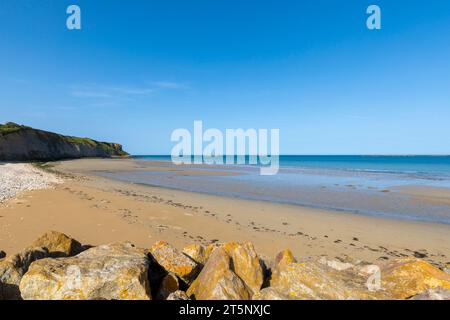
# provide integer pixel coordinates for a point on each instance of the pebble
(18, 177)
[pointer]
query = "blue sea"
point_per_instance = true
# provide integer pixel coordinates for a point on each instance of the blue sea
(369, 185)
(426, 167)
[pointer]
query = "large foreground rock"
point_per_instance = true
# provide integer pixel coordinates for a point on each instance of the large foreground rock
(175, 261)
(246, 263)
(217, 281)
(12, 269)
(116, 271)
(405, 278)
(50, 244)
(58, 244)
(313, 280)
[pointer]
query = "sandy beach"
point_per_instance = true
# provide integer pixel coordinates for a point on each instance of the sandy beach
(98, 210)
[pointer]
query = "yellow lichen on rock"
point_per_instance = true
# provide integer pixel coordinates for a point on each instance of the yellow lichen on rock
(196, 252)
(313, 280)
(58, 244)
(231, 271)
(405, 278)
(271, 294)
(246, 264)
(116, 271)
(210, 248)
(174, 261)
(217, 281)
(285, 257)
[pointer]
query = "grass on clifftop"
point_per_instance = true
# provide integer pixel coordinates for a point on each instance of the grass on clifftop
(11, 127)
(92, 143)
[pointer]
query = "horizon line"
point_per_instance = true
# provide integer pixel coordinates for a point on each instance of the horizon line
(310, 155)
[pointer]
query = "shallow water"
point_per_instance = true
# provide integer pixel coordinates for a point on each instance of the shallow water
(338, 185)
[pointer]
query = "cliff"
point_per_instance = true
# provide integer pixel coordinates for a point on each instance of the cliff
(22, 143)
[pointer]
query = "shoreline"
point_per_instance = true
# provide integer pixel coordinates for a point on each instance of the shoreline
(316, 189)
(405, 190)
(99, 210)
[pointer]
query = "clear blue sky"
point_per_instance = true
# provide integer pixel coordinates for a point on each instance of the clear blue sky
(139, 69)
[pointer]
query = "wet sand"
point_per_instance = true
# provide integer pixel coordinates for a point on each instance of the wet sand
(366, 193)
(98, 210)
(433, 195)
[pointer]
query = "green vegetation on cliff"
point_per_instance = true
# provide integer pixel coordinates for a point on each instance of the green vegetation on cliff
(19, 142)
(93, 143)
(11, 127)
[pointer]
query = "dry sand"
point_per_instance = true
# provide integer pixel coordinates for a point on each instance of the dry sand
(97, 210)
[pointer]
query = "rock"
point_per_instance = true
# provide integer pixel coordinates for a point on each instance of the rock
(115, 271)
(174, 261)
(55, 270)
(433, 294)
(210, 248)
(285, 257)
(2, 254)
(178, 295)
(58, 244)
(12, 269)
(246, 264)
(368, 269)
(169, 285)
(306, 281)
(217, 281)
(313, 280)
(405, 278)
(335, 264)
(447, 268)
(196, 252)
(51, 244)
(271, 294)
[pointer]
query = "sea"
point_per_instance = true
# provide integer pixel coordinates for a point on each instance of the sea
(374, 185)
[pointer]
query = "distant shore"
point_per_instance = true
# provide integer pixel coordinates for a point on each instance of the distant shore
(98, 210)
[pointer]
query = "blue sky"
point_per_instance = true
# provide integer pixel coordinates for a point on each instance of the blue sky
(139, 69)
